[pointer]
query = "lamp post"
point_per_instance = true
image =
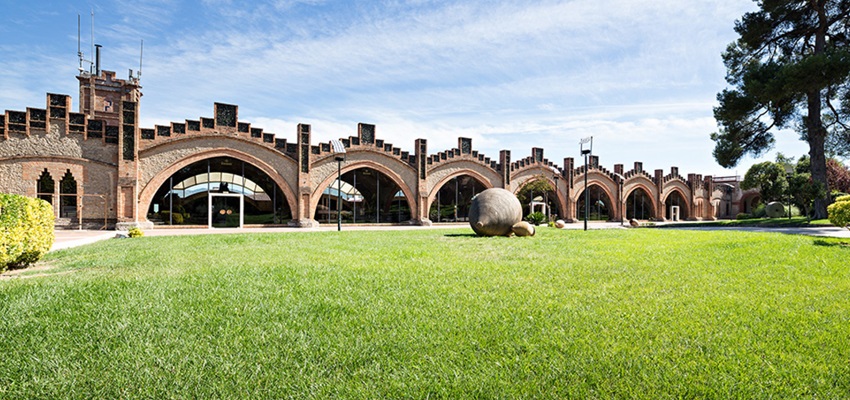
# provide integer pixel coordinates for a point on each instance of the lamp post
(789, 173)
(586, 153)
(339, 151)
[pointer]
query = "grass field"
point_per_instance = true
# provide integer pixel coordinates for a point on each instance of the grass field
(638, 313)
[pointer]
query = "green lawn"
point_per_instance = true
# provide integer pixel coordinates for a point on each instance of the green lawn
(793, 222)
(641, 313)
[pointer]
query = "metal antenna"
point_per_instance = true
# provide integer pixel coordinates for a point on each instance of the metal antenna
(79, 49)
(141, 53)
(92, 38)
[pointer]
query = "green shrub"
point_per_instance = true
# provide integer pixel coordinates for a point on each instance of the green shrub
(536, 218)
(26, 230)
(743, 216)
(839, 212)
(136, 232)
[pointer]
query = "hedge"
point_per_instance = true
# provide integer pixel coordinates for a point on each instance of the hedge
(26, 230)
(839, 212)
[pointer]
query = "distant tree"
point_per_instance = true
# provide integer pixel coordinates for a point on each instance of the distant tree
(803, 191)
(769, 179)
(838, 175)
(790, 68)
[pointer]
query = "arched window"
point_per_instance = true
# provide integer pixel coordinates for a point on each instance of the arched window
(68, 196)
(367, 196)
(599, 202)
(45, 186)
(639, 205)
(454, 199)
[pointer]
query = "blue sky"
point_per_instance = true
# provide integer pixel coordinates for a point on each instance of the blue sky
(639, 76)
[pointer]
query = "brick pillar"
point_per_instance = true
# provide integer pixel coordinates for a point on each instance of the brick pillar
(505, 164)
(421, 188)
(127, 207)
(303, 217)
(660, 213)
(708, 186)
(569, 204)
(692, 185)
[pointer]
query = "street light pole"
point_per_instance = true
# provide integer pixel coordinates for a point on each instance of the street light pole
(586, 153)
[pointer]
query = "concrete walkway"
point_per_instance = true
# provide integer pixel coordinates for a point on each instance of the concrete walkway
(73, 238)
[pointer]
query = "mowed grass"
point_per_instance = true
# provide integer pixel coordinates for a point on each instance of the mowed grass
(434, 314)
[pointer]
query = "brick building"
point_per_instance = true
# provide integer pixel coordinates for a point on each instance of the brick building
(99, 168)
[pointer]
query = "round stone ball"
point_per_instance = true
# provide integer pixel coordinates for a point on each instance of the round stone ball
(523, 228)
(560, 224)
(493, 212)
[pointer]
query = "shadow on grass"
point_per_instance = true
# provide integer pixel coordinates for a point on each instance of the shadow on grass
(831, 242)
(462, 235)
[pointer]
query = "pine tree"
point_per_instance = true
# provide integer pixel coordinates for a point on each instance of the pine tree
(790, 69)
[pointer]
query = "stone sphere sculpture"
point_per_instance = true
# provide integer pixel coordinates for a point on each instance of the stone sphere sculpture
(493, 212)
(560, 224)
(775, 209)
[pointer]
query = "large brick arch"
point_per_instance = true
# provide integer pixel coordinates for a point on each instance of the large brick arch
(149, 189)
(647, 189)
(320, 184)
(597, 178)
(432, 194)
(535, 174)
(679, 187)
(442, 172)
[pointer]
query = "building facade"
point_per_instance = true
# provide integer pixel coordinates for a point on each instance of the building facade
(98, 167)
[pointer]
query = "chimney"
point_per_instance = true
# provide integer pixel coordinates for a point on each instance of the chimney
(97, 59)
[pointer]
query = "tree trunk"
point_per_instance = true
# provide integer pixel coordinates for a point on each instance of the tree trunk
(815, 131)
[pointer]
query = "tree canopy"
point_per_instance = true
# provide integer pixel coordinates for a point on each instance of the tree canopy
(789, 69)
(770, 180)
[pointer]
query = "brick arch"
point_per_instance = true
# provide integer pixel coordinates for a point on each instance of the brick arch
(675, 187)
(595, 178)
(358, 164)
(146, 194)
(611, 199)
(649, 193)
(447, 169)
(560, 196)
(439, 184)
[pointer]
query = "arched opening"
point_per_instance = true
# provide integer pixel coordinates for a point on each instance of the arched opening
(68, 196)
(366, 196)
(453, 199)
(639, 205)
(219, 192)
(45, 187)
(751, 203)
(599, 204)
(538, 195)
(675, 199)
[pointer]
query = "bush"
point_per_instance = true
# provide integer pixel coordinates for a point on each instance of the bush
(26, 230)
(839, 212)
(536, 218)
(743, 216)
(136, 232)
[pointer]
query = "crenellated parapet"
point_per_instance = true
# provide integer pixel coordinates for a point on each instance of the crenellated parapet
(55, 117)
(463, 152)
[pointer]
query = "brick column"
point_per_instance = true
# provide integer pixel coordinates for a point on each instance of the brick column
(303, 217)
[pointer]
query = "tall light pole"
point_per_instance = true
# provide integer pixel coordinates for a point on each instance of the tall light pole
(586, 153)
(339, 156)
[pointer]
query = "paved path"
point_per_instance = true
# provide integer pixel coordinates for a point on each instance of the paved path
(72, 238)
